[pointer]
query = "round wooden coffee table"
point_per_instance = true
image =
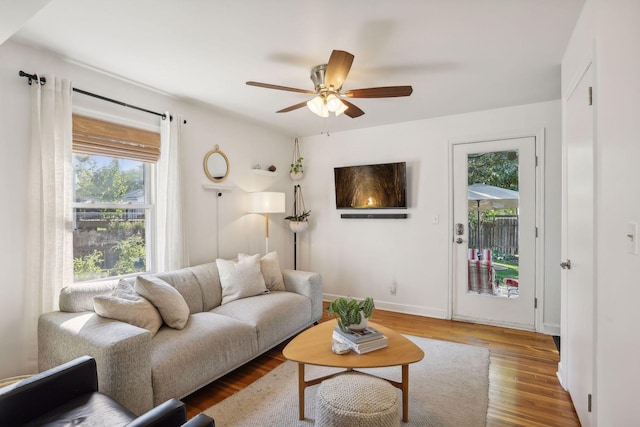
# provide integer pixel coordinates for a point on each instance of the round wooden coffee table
(313, 347)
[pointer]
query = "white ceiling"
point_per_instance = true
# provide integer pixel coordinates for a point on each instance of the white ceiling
(459, 55)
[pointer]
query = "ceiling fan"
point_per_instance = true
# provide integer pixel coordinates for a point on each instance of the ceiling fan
(329, 96)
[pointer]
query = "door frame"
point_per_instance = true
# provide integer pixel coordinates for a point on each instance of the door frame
(539, 135)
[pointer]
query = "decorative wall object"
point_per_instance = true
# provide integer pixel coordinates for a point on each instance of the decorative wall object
(296, 172)
(216, 165)
(299, 218)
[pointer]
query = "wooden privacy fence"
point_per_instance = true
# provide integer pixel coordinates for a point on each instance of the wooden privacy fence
(497, 234)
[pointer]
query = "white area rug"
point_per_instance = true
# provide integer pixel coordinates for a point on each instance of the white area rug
(449, 387)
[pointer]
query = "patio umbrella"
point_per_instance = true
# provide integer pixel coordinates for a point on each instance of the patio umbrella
(488, 197)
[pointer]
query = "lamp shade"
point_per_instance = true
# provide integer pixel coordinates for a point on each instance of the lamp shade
(333, 103)
(266, 202)
(341, 109)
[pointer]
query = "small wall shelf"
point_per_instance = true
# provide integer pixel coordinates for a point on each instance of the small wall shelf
(264, 172)
(218, 187)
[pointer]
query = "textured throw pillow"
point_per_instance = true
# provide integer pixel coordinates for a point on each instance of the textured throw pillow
(270, 268)
(240, 279)
(171, 305)
(127, 306)
(125, 289)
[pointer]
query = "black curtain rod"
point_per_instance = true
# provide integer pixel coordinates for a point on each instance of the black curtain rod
(43, 81)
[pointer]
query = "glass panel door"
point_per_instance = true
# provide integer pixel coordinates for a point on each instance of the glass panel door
(494, 249)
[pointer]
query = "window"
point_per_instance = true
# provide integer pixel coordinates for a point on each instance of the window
(112, 209)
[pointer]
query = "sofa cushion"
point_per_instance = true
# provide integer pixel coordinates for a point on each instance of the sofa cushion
(79, 296)
(240, 279)
(186, 283)
(276, 315)
(209, 346)
(270, 268)
(209, 281)
(171, 305)
(128, 306)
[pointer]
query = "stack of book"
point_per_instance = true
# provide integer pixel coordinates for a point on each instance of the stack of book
(361, 342)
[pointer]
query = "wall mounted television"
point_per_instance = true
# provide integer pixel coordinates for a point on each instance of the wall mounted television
(380, 186)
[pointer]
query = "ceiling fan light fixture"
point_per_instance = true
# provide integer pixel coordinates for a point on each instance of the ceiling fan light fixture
(316, 105)
(341, 109)
(324, 111)
(333, 103)
(327, 82)
(319, 106)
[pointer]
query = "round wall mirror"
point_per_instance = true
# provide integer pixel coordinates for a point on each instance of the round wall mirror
(216, 165)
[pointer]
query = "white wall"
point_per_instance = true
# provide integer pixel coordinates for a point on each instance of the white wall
(618, 194)
(364, 257)
(244, 143)
(611, 25)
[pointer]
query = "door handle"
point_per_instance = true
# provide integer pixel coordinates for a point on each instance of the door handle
(566, 265)
(459, 240)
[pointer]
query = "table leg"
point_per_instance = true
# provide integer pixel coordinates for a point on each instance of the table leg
(405, 393)
(301, 387)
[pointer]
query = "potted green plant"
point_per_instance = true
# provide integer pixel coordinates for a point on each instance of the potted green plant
(299, 218)
(298, 222)
(351, 314)
(295, 171)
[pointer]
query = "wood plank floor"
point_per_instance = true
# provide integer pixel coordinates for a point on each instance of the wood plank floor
(523, 387)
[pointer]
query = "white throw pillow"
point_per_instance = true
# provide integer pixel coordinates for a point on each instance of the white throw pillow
(127, 306)
(270, 268)
(171, 305)
(240, 279)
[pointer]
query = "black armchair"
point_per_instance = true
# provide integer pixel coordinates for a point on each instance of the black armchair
(68, 395)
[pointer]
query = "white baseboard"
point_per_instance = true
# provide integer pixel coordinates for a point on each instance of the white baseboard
(551, 329)
(401, 308)
(560, 375)
(500, 324)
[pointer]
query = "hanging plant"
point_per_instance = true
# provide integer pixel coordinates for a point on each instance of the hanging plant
(295, 171)
(299, 218)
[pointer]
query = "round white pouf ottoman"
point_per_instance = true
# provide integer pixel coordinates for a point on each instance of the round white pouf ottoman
(352, 399)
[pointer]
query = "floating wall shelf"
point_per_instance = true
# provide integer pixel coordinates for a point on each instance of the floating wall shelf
(218, 187)
(264, 172)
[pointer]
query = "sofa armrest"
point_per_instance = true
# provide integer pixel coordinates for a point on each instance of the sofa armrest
(308, 284)
(122, 353)
(47, 390)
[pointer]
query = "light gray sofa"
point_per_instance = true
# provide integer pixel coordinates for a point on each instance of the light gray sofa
(140, 370)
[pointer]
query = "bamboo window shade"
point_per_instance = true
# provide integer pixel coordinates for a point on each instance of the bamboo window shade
(99, 138)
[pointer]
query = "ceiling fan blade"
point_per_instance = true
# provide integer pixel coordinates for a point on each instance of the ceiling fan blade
(290, 89)
(337, 69)
(379, 92)
(293, 107)
(352, 111)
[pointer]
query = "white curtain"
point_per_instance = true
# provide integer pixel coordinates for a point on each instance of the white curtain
(170, 236)
(50, 246)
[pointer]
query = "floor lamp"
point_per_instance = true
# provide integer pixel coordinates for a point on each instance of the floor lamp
(265, 203)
